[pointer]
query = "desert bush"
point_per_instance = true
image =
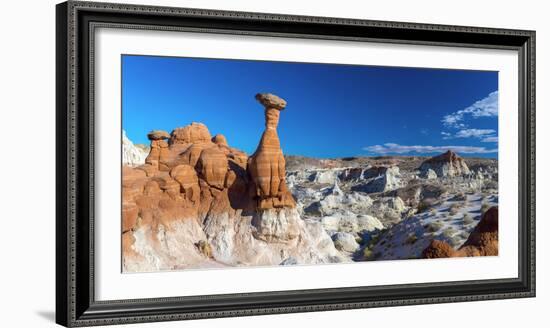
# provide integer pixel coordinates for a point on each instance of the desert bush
(433, 226)
(367, 253)
(411, 239)
(455, 241)
(455, 208)
(204, 248)
(425, 204)
(460, 197)
(449, 233)
(467, 219)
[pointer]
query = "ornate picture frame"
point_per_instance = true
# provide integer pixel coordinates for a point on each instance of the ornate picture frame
(77, 23)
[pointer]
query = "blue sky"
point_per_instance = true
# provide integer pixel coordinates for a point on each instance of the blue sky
(333, 110)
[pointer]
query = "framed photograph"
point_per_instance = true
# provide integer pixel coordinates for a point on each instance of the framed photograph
(214, 163)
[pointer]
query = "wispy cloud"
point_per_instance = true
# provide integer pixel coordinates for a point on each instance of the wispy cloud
(490, 139)
(471, 133)
(393, 148)
(486, 107)
(474, 133)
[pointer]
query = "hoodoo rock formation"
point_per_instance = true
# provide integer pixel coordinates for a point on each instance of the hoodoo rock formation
(197, 202)
(448, 164)
(483, 241)
(267, 164)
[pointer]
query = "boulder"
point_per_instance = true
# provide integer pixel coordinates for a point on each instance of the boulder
(345, 242)
(429, 174)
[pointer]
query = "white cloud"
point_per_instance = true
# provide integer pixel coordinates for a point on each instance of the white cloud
(490, 139)
(487, 135)
(486, 107)
(474, 133)
(393, 148)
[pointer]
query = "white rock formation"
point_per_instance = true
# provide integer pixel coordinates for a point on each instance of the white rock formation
(335, 200)
(429, 174)
(351, 223)
(272, 237)
(388, 209)
(380, 179)
(132, 155)
(447, 164)
(326, 176)
(344, 241)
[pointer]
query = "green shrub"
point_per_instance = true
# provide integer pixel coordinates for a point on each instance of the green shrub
(433, 226)
(467, 219)
(411, 239)
(455, 208)
(484, 207)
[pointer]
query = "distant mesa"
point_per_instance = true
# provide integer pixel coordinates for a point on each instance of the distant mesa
(448, 164)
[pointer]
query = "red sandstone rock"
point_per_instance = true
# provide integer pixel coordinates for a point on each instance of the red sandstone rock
(194, 175)
(438, 249)
(219, 139)
(267, 165)
(187, 177)
(193, 133)
(212, 167)
(483, 241)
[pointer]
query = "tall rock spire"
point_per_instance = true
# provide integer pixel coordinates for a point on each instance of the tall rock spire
(267, 164)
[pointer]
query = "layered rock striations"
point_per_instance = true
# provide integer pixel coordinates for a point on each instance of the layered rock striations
(267, 165)
(197, 202)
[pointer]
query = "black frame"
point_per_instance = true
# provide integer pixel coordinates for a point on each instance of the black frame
(75, 303)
